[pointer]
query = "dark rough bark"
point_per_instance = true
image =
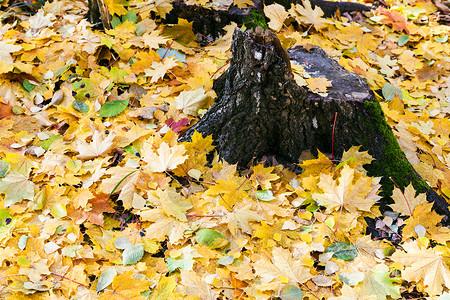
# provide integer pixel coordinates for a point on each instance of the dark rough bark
(98, 14)
(208, 23)
(260, 111)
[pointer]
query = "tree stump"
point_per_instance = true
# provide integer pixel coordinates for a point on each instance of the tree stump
(208, 23)
(260, 111)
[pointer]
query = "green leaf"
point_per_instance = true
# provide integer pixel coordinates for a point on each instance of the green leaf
(402, 40)
(4, 215)
(48, 142)
(108, 42)
(106, 278)
(130, 149)
(389, 91)
(115, 22)
(27, 85)
(17, 110)
(343, 250)
(4, 168)
(113, 108)
(130, 16)
(211, 238)
(443, 39)
(378, 282)
(60, 71)
(291, 292)
(265, 195)
(6, 224)
(80, 106)
(117, 75)
(132, 254)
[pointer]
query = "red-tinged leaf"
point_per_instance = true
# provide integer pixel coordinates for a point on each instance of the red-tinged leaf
(177, 126)
(397, 20)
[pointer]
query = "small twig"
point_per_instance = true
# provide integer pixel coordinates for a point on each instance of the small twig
(332, 137)
(170, 46)
(204, 216)
(339, 220)
(64, 277)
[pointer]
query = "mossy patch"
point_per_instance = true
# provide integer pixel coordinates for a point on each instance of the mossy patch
(254, 20)
(392, 162)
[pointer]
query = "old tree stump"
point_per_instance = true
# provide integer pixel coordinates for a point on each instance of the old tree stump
(260, 111)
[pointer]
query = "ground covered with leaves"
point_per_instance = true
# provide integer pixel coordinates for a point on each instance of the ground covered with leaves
(99, 200)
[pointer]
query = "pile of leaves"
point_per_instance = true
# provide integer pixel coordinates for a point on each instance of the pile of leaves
(99, 200)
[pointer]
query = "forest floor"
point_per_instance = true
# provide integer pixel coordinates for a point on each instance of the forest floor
(99, 200)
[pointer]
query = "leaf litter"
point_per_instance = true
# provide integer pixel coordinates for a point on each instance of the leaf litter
(99, 200)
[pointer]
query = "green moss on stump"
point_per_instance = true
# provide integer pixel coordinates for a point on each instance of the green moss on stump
(392, 162)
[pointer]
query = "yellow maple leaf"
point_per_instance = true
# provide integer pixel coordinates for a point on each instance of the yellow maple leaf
(165, 158)
(191, 101)
(98, 147)
(122, 179)
(162, 226)
(314, 167)
(197, 149)
(182, 32)
(423, 264)
(243, 3)
(163, 7)
(263, 176)
(240, 217)
(228, 191)
(127, 286)
(306, 15)
(192, 284)
(271, 235)
(353, 195)
(123, 31)
(425, 216)
(143, 60)
(277, 15)
(159, 69)
(116, 7)
(405, 203)
(154, 39)
(282, 265)
(6, 50)
(173, 204)
(319, 84)
(356, 159)
(164, 289)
